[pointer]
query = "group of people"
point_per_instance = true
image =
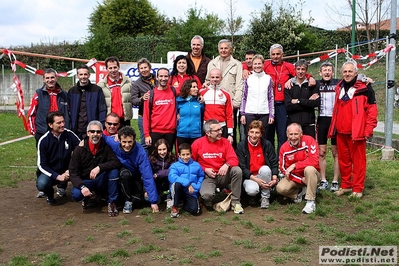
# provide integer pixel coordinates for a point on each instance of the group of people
(197, 108)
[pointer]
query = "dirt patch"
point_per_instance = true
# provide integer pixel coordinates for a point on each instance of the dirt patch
(30, 227)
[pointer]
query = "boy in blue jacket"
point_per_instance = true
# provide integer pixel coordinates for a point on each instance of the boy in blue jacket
(185, 178)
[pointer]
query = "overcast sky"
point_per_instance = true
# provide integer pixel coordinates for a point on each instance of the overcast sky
(23, 22)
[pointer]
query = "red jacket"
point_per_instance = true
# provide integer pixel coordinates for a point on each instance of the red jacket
(213, 154)
(306, 154)
(162, 118)
(363, 119)
(218, 105)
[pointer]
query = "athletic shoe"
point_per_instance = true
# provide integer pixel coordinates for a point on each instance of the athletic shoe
(342, 191)
(252, 201)
(112, 211)
(323, 185)
(85, 203)
(128, 208)
(309, 207)
(51, 201)
(169, 204)
(175, 212)
(237, 208)
(41, 195)
(61, 192)
(301, 194)
(334, 186)
(264, 203)
(356, 195)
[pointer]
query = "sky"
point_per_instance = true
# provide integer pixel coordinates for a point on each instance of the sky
(26, 22)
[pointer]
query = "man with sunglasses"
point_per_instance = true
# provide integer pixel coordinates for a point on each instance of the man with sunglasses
(94, 167)
(86, 102)
(112, 123)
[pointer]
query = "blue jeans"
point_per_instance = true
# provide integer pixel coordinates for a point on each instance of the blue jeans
(190, 203)
(279, 125)
(105, 181)
(45, 183)
(141, 129)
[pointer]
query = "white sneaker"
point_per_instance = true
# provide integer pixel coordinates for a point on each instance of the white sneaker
(309, 207)
(301, 194)
(237, 208)
(41, 195)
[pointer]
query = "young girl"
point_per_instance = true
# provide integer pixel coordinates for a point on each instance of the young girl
(161, 159)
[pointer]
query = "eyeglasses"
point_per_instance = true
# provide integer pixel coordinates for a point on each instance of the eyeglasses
(94, 131)
(112, 124)
(216, 130)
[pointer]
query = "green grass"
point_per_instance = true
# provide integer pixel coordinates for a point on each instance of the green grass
(372, 220)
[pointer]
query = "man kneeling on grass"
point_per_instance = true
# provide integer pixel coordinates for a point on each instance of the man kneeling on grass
(94, 167)
(185, 177)
(136, 169)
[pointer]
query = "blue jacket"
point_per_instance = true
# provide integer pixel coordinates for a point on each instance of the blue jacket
(138, 163)
(95, 104)
(187, 174)
(191, 115)
(54, 154)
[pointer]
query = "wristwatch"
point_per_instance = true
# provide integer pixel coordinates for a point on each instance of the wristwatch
(298, 101)
(228, 165)
(82, 187)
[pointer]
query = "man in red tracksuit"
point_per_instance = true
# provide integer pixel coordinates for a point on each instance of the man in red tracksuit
(159, 113)
(299, 162)
(353, 120)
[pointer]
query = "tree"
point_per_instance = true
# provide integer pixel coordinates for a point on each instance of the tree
(182, 30)
(370, 13)
(284, 25)
(114, 19)
(233, 23)
(126, 17)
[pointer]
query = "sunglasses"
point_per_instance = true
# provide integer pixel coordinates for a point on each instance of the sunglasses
(94, 131)
(112, 124)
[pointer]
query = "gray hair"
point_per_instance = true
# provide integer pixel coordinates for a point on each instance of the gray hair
(294, 124)
(353, 63)
(326, 64)
(301, 62)
(276, 46)
(224, 41)
(199, 38)
(207, 125)
(95, 123)
(50, 70)
(143, 61)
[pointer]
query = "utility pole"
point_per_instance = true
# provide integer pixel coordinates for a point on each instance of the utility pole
(353, 26)
(388, 151)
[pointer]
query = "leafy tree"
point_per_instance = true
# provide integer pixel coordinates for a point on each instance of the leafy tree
(284, 25)
(233, 23)
(126, 17)
(182, 30)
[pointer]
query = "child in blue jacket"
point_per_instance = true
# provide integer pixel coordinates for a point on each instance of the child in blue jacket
(185, 177)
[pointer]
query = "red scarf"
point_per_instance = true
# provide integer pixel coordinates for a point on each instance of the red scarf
(116, 96)
(94, 147)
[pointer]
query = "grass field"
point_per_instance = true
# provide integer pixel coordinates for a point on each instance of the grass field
(372, 220)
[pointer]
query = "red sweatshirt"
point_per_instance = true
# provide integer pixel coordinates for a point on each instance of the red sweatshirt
(162, 119)
(213, 154)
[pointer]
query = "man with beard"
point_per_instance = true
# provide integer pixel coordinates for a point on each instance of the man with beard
(94, 167)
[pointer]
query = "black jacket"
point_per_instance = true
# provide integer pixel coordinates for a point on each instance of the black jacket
(244, 157)
(302, 112)
(82, 162)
